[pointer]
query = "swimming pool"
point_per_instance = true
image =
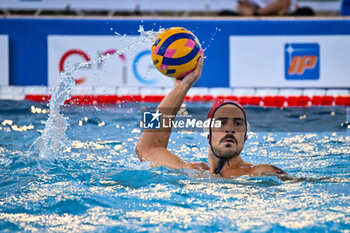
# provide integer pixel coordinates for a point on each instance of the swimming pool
(98, 184)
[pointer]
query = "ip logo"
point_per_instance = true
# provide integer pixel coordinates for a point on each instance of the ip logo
(302, 61)
(151, 120)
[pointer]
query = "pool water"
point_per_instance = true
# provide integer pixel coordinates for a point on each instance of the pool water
(96, 182)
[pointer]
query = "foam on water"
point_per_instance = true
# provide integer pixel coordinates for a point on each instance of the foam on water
(100, 185)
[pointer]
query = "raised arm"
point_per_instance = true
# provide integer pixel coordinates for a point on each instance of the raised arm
(153, 143)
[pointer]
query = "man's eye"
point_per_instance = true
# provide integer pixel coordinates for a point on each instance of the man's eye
(239, 123)
(223, 121)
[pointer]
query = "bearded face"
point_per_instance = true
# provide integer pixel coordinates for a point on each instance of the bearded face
(228, 140)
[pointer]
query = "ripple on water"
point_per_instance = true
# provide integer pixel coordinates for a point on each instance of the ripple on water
(98, 184)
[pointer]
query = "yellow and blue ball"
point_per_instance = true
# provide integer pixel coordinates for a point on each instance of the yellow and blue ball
(175, 52)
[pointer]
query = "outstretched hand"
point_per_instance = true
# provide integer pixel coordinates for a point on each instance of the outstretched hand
(192, 77)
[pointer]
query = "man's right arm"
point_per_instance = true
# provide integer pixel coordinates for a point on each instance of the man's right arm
(153, 143)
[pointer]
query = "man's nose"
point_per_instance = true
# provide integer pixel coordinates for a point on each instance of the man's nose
(229, 127)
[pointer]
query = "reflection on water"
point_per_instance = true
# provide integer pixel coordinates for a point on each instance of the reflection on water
(98, 184)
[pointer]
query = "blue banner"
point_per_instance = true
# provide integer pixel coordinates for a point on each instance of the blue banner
(28, 40)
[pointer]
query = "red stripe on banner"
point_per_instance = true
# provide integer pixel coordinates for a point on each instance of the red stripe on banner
(322, 100)
(107, 99)
(227, 97)
(267, 101)
(153, 98)
(298, 101)
(250, 100)
(38, 98)
(187, 98)
(274, 101)
(202, 98)
(342, 100)
(130, 98)
(82, 100)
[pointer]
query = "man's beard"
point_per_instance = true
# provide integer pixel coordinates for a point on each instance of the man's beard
(227, 152)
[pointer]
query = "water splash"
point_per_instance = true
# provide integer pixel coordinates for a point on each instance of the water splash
(149, 36)
(53, 140)
(213, 35)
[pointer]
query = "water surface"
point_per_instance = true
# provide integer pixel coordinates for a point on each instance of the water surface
(97, 183)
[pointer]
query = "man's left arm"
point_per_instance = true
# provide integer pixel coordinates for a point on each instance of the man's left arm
(266, 169)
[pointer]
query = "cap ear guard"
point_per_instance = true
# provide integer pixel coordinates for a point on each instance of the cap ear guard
(248, 131)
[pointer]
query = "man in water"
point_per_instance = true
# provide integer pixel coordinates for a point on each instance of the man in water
(225, 142)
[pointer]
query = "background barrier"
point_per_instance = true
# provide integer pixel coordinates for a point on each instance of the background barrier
(153, 6)
(324, 64)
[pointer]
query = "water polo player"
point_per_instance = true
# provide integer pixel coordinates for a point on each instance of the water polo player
(225, 142)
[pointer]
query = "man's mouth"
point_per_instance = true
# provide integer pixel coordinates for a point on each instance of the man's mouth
(229, 140)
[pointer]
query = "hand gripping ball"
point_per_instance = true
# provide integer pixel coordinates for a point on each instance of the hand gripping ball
(175, 52)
